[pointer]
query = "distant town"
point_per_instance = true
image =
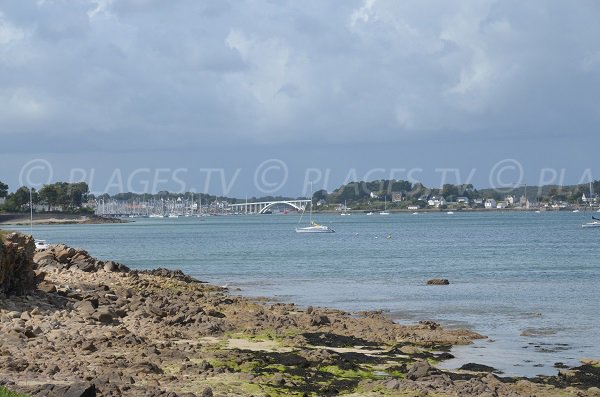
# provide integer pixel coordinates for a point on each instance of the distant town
(393, 195)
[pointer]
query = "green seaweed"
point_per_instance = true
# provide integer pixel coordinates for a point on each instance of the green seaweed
(348, 373)
(4, 392)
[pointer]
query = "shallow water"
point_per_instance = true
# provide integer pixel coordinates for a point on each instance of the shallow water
(511, 273)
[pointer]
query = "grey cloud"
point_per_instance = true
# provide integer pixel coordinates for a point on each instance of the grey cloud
(167, 74)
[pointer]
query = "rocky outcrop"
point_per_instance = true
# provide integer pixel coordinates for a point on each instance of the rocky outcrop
(16, 264)
(438, 281)
(60, 256)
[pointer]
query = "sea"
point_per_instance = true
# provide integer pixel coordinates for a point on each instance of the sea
(529, 282)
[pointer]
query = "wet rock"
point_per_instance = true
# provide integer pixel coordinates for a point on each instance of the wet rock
(438, 281)
(477, 368)
(430, 324)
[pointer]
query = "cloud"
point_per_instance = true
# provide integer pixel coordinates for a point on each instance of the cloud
(172, 74)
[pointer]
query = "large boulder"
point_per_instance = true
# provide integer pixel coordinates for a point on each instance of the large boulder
(16, 264)
(419, 370)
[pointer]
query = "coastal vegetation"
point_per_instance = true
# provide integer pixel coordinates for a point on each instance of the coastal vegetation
(4, 392)
(56, 197)
(75, 198)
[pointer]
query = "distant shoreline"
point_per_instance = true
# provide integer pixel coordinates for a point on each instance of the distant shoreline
(55, 219)
(434, 210)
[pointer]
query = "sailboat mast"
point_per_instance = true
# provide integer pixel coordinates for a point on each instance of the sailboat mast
(30, 213)
(311, 204)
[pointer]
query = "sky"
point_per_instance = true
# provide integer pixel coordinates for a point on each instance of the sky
(264, 97)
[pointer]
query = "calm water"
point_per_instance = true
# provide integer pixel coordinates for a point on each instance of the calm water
(510, 272)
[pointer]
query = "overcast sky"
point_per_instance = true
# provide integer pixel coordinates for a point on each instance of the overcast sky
(152, 84)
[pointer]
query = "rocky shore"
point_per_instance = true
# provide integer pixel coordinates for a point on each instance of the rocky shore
(72, 325)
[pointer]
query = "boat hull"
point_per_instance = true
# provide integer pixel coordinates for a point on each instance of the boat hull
(315, 229)
(591, 224)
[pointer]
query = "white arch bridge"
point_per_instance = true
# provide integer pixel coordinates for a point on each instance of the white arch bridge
(264, 206)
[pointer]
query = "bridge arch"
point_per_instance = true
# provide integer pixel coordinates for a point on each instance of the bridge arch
(289, 203)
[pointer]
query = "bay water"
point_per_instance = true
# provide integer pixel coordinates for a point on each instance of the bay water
(528, 281)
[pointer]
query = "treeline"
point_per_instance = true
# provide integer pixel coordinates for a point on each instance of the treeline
(380, 190)
(384, 189)
(59, 196)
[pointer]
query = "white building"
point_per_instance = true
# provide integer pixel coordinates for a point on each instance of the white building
(501, 204)
(436, 201)
(462, 200)
(490, 203)
(413, 207)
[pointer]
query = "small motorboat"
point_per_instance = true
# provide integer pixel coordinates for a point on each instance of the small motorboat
(41, 245)
(594, 223)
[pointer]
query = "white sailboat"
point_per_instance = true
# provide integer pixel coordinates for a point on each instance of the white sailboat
(345, 211)
(595, 221)
(384, 212)
(313, 226)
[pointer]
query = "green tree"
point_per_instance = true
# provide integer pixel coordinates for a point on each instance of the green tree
(49, 195)
(450, 192)
(3, 190)
(77, 194)
(319, 195)
(21, 196)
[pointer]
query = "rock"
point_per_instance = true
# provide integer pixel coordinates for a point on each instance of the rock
(63, 253)
(88, 346)
(110, 266)
(430, 324)
(204, 366)
(104, 315)
(419, 370)
(392, 384)
(318, 319)
(47, 287)
(146, 368)
(17, 276)
(438, 281)
(477, 368)
(81, 390)
(207, 392)
(590, 361)
(278, 380)
(85, 266)
(86, 307)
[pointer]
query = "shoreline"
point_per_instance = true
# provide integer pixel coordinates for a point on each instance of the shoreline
(56, 219)
(92, 322)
